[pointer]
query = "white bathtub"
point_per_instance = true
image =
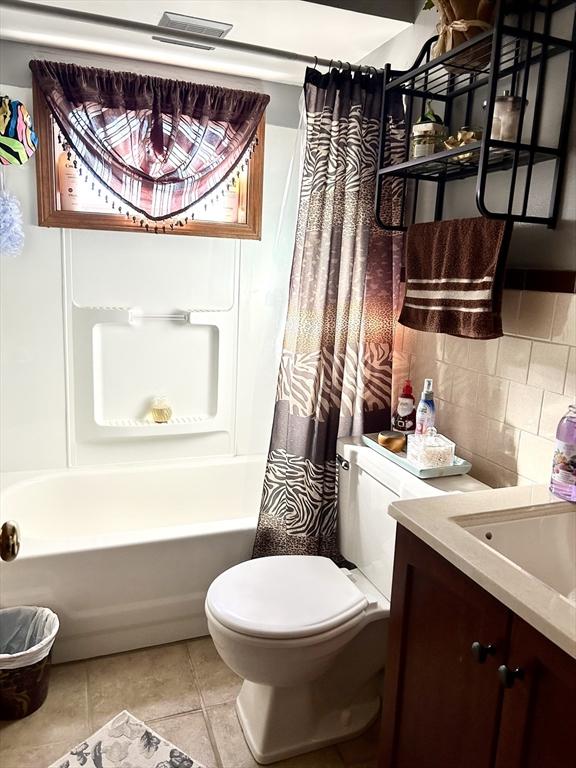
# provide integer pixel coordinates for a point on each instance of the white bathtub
(125, 556)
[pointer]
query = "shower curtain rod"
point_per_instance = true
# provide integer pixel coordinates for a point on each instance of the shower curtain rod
(153, 29)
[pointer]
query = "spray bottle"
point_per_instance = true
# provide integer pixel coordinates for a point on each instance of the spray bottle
(426, 412)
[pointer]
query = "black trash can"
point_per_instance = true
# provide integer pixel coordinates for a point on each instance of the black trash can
(27, 635)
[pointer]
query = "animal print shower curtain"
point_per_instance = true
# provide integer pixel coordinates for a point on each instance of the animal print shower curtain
(336, 367)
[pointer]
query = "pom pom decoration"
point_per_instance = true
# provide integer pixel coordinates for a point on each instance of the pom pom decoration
(11, 230)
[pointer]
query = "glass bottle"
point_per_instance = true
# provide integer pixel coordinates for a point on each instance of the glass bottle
(161, 410)
(563, 480)
(507, 109)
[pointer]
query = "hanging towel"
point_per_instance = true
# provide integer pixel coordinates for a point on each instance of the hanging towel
(455, 277)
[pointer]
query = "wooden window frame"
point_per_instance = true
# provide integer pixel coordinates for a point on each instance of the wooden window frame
(49, 215)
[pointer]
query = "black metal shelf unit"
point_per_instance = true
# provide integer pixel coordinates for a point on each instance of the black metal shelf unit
(514, 55)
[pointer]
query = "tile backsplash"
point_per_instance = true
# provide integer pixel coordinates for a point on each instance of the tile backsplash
(500, 400)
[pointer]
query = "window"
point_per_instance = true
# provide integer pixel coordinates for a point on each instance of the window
(69, 197)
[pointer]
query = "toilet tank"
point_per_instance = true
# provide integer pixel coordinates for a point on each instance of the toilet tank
(367, 484)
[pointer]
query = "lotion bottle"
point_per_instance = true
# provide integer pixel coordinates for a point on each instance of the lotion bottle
(68, 182)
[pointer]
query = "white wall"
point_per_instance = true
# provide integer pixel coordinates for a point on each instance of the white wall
(501, 400)
(59, 267)
(32, 391)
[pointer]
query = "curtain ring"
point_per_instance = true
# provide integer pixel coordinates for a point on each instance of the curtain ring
(339, 64)
(330, 65)
(349, 66)
(315, 62)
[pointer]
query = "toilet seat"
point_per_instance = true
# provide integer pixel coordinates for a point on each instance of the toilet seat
(284, 597)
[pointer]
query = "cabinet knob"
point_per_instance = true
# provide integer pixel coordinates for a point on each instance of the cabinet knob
(481, 652)
(508, 676)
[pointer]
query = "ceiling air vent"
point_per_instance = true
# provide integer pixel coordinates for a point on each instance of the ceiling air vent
(194, 25)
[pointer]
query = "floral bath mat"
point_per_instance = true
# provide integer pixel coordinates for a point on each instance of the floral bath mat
(125, 742)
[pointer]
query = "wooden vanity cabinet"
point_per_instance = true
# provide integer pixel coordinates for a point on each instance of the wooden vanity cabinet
(538, 721)
(452, 649)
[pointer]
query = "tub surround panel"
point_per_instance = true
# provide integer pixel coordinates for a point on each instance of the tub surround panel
(46, 398)
(122, 354)
(120, 358)
(205, 272)
(501, 400)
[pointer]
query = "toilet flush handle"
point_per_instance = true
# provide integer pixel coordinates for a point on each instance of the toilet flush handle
(344, 463)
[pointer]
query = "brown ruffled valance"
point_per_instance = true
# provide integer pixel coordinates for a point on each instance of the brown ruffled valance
(159, 145)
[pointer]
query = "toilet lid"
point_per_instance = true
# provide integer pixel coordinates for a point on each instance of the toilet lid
(284, 597)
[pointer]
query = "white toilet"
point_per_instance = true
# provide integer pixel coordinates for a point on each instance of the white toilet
(309, 638)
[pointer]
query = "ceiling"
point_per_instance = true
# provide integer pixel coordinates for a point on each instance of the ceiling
(305, 27)
(392, 9)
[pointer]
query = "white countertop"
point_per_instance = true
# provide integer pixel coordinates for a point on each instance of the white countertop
(434, 521)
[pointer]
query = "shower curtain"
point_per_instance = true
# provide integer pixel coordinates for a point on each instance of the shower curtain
(336, 366)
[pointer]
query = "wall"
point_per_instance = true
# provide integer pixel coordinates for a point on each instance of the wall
(40, 286)
(501, 400)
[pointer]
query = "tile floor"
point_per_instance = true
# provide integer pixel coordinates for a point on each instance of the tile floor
(184, 691)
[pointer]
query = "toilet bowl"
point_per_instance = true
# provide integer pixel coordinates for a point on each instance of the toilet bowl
(309, 638)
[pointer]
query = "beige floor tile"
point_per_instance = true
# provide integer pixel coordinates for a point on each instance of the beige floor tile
(218, 684)
(62, 718)
(34, 757)
(190, 734)
(233, 750)
(361, 750)
(151, 684)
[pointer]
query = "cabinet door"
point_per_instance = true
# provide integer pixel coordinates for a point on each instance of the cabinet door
(538, 726)
(441, 705)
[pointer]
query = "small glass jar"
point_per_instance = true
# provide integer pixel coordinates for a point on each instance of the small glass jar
(427, 139)
(506, 117)
(430, 451)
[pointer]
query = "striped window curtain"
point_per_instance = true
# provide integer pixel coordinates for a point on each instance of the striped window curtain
(336, 368)
(160, 146)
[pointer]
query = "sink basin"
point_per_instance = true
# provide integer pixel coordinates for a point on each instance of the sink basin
(519, 544)
(540, 539)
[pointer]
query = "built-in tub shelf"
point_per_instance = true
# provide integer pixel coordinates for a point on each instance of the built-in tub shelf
(126, 356)
(149, 423)
(176, 425)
